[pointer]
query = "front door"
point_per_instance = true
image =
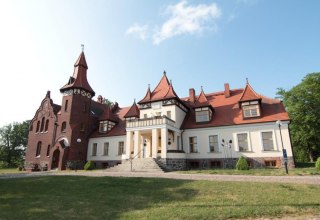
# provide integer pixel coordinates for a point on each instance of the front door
(55, 159)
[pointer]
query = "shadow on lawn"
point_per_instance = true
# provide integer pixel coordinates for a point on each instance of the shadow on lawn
(66, 197)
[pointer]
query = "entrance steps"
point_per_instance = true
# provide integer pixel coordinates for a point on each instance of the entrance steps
(138, 165)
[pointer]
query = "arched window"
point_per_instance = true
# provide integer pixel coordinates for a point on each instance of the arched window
(63, 126)
(38, 149)
(42, 124)
(38, 126)
(31, 127)
(48, 151)
(47, 125)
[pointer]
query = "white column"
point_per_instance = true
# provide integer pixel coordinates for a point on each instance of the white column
(128, 144)
(155, 139)
(136, 143)
(164, 142)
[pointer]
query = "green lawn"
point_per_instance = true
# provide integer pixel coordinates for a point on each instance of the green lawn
(259, 172)
(76, 197)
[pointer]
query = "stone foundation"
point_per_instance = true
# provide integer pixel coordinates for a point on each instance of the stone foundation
(106, 164)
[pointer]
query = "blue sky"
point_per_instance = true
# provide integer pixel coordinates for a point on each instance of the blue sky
(129, 43)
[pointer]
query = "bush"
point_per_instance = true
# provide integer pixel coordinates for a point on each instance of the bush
(242, 164)
(89, 165)
(318, 164)
(4, 164)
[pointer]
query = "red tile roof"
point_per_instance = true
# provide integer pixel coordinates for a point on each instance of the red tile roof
(163, 90)
(249, 94)
(202, 100)
(133, 111)
(227, 111)
(108, 115)
(79, 78)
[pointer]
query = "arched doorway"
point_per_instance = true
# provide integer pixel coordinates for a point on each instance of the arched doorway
(55, 159)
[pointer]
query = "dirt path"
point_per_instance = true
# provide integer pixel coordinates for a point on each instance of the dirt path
(315, 180)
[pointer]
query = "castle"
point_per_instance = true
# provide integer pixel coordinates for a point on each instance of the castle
(208, 130)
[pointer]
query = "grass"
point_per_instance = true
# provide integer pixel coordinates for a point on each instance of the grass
(259, 172)
(77, 197)
(10, 170)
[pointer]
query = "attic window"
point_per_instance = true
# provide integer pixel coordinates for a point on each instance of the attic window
(203, 114)
(250, 109)
(106, 126)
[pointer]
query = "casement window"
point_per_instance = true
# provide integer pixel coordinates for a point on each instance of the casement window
(193, 146)
(106, 149)
(48, 151)
(213, 143)
(38, 127)
(63, 126)
(145, 116)
(267, 141)
(169, 114)
(94, 149)
(203, 114)
(38, 152)
(42, 125)
(121, 149)
(106, 126)
(66, 105)
(243, 142)
(250, 109)
(270, 163)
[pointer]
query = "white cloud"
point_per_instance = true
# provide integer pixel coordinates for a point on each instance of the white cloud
(187, 19)
(139, 31)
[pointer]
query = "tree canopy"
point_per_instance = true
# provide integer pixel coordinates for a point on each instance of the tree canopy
(303, 105)
(13, 142)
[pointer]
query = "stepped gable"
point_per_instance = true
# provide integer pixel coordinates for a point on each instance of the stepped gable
(164, 90)
(79, 78)
(133, 111)
(227, 111)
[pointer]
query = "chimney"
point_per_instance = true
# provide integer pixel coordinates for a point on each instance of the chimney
(226, 90)
(192, 95)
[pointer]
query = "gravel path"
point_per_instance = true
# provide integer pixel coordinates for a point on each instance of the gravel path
(315, 180)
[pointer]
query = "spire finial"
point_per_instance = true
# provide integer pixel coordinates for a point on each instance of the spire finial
(149, 86)
(170, 82)
(82, 47)
(164, 72)
(134, 101)
(247, 81)
(201, 88)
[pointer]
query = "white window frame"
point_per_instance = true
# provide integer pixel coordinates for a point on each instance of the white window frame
(237, 143)
(275, 147)
(189, 149)
(219, 149)
(103, 150)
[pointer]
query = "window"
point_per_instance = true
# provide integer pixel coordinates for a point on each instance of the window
(169, 114)
(38, 126)
(145, 116)
(38, 149)
(66, 105)
(31, 127)
(48, 151)
(250, 109)
(243, 142)
(47, 125)
(267, 141)
(121, 149)
(193, 144)
(216, 164)
(213, 143)
(82, 127)
(94, 149)
(42, 124)
(106, 149)
(106, 126)
(270, 163)
(63, 126)
(203, 114)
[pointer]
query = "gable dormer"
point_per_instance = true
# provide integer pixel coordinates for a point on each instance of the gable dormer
(107, 120)
(250, 103)
(133, 113)
(203, 109)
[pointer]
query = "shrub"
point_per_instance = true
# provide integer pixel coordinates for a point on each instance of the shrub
(318, 164)
(242, 164)
(89, 165)
(3, 164)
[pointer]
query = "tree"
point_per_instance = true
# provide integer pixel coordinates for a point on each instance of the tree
(107, 102)
(13, 142)
(303, 105)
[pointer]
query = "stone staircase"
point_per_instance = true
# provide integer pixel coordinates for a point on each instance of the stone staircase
(138, 165)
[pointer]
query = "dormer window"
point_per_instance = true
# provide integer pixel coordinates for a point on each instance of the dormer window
(203, 114)
(250, 109)
(106, 126)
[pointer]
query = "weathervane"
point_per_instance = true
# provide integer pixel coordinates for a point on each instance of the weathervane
(82, 47)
